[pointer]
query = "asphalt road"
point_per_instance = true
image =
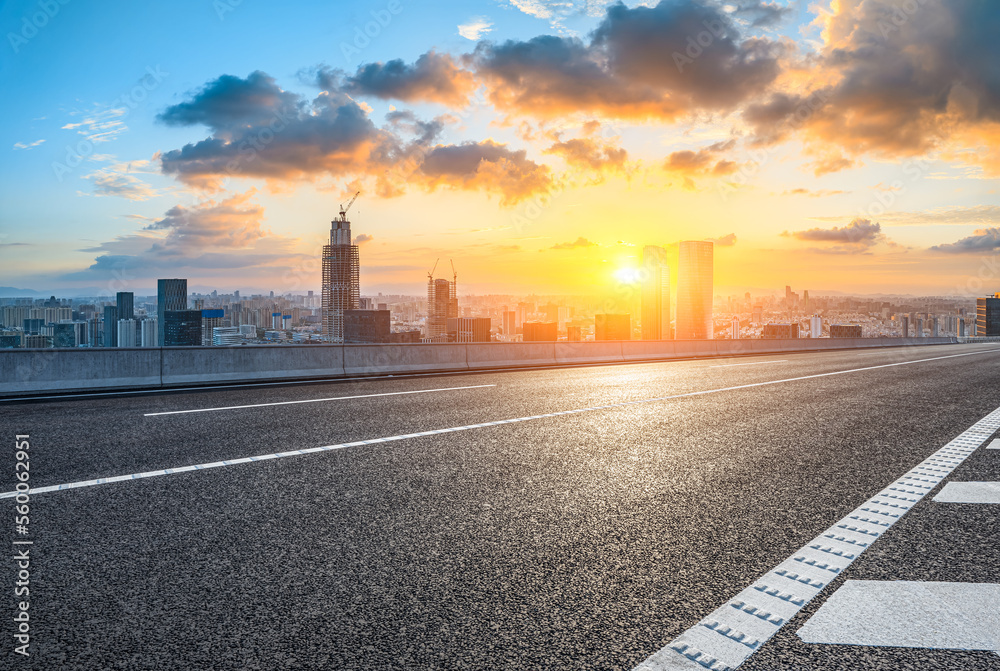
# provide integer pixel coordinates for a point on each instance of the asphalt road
(579, 541)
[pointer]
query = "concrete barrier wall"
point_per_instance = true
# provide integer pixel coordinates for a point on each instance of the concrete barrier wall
(200, 365)
(510, 355)
(24, 371)
(389, 359)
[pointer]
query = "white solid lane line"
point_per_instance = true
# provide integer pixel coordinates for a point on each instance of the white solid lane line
(294, 453)
(735, 631)
(315, 400)
(754, 363)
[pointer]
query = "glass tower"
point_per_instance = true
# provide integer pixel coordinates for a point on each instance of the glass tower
(694, 290)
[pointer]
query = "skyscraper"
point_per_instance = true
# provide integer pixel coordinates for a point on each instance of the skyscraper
(655, 294)
(170, 295)
(694, 290)
(442, 305)
(110, 326)
(341, 284)
(125, 301)
(988, 316)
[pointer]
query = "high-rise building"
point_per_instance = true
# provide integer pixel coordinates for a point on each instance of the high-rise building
(367, 326)
(655, 313)
(170, 295)
(988, 316)
(469, 329)
(126, 333)
(210, 320)
(540, 331)
(906, 326)
(125, 301)
(149, 333)
(694, 291)
(612, 327)
(508, 322)
(574, 334)
(735, 329)
(442, 305)
(341, 284)
(846, 331)
(65, 335)
(815, 326)
(182, 328)
(110, 326)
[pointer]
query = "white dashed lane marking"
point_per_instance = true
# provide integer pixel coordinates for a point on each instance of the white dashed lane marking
(969, 492)
(733, 632)
(315, 400)
(898, 613)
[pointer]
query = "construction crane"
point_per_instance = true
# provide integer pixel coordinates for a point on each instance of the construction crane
(430, 275)
(343, 210)
(454, 274)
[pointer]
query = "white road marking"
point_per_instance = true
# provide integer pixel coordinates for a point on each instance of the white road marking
(732, 633)
(315, 400)
(623, 404)
(969, 492)
(949, 615)
(755, 363)
(994, 445)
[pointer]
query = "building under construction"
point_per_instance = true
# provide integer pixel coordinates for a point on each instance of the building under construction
(442, 305)
(341, 285)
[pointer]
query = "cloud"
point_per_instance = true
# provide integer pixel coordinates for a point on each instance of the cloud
(897, 79)
(590, 153)
(110, 183)
(207, 237)
(363, 238)
(21, 145)
(725, 240)
(486, 166)
(858, 236)
(821, 193)
(259, 130)
(633, 66)
(763, 14)
(983, 240)
(705, 162)
(101, 124)
(579, 243)
(475, 28)
(433, 77)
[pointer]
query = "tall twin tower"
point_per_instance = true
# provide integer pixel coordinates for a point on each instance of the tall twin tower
(341, 286)
(694, 292)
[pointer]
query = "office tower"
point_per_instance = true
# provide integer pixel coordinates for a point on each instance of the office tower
(65, 335)
(508, 322)
(815, 326)
(110, 326)
(367, 326)
(612, 327)
(988, 316)
(655, 313)
(469, 329)
(846, 331)
(149, 333)
(906, 326)
(226, 335)
(210, 320)
(735, 329)
(961, 327)
(182, 328)
(805, 299)
(170, 295)
(780, 331)
(540, 331)
(574, 334)
(918, 330)
(125, 300)
(934, 328)
(126, 333)
(694, 291)
(442, 305)
(341, 284)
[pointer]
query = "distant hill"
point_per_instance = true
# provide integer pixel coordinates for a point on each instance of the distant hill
(14, 292)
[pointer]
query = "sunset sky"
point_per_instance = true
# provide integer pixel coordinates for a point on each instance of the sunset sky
(846, 145)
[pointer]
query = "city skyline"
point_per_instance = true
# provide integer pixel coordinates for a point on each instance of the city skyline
(470, 135)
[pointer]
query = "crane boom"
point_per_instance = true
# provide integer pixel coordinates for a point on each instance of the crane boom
(343, 210)
(430, 275)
